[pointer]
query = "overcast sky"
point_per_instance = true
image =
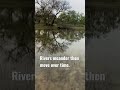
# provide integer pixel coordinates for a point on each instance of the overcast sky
(77, 5)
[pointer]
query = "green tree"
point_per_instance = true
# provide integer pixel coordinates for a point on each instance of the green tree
(71, 17)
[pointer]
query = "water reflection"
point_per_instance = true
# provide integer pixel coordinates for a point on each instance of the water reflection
(14, 27)
(102, 51)
(55, 41)
(60, 42)
(16, 46)
(100, 21)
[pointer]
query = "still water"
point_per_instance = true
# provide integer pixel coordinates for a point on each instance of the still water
(60, 43)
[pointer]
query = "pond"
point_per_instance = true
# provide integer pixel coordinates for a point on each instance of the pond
(60, 43)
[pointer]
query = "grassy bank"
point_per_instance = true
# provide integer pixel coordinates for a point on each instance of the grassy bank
(56, 27)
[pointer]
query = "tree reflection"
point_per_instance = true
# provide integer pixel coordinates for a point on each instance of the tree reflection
(15, 23)
(101, 21)
(58, 40)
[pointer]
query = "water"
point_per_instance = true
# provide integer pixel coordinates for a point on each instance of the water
(60, 43)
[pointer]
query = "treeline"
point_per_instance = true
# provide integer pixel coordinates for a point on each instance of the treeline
(71, 17)
(56, 12)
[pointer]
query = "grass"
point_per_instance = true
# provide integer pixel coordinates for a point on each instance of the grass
(55, 27)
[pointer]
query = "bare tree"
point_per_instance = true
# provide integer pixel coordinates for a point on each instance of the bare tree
(49, 9)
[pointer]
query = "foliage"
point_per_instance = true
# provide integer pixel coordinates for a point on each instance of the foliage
(71, 17)
(49, 9)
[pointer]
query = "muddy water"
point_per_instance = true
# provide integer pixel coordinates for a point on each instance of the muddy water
(59, 78)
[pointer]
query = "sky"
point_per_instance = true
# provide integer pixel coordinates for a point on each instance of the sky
(77, 5)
